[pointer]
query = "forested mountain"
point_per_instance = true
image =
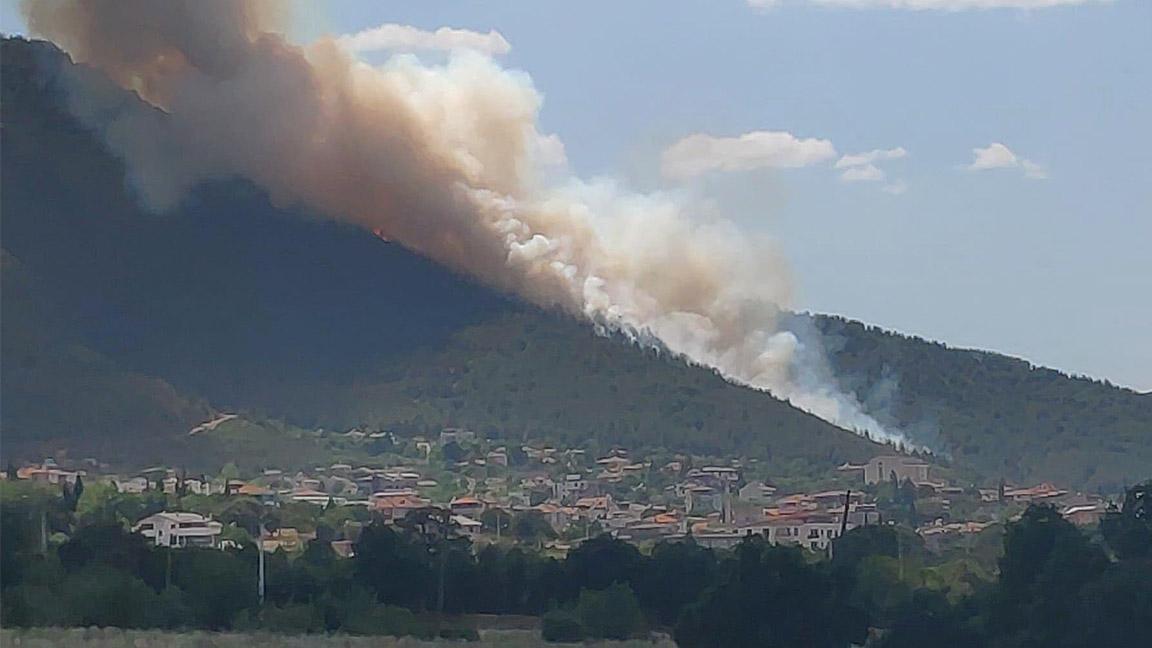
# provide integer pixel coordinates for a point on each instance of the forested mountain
(122, 329)
(277, 313)
(997, 414)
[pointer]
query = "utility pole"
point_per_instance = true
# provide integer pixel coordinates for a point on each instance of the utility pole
(900, 551)
(43, 530)
(844, 520)
(260, 560)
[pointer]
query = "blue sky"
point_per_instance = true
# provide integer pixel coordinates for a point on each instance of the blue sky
(1056, 270)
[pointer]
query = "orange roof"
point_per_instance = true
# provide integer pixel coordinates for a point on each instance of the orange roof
(592, 502)
(399, 501)
(465, 501)
(665, 518)
(253, 489)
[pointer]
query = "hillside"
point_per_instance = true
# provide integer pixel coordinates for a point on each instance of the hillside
(121, 329)
(996, 414)
(277, 313)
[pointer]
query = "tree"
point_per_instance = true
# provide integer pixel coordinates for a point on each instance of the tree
(453, 452)
(674, 577)
(770, 596)
(611, 613)
(1046, 563)
(601, 561)
(1128, 531)
(531, 527)
(392, 566)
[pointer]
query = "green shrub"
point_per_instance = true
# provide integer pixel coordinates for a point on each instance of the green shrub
(460, 633)
(612, 613)
(562, 625)
(386, 620)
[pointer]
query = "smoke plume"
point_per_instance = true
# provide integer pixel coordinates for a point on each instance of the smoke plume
(445, 159)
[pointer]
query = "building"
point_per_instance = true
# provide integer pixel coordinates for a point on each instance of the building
(466, 506)
(1039, 493)
(1085, 514)
(133, 486)
(394, 507)
(456, 435)
(467, 525)
(572, 486)
(881, 469)
(167, 529)
(756, 492)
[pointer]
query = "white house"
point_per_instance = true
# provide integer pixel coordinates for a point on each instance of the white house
(133, 486)
(467, 525)
(167, 529)
(880, 469)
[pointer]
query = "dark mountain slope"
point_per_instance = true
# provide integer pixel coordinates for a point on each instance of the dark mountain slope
(278, 313)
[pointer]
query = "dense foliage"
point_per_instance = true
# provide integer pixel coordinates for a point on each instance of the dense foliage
(995, 415)
(1056, 586)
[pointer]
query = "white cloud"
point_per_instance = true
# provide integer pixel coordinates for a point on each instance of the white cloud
(863, 173)
(1033, 170)
(405, 38)
(861, 167)
(700, 153)
(994, 156)
(895, 188)
(946, 5)
(875, 155)
(998, 156)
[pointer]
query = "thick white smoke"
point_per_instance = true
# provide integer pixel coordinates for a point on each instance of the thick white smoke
(445, 159)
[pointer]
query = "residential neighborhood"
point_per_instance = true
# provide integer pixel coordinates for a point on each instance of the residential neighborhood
(553, 497)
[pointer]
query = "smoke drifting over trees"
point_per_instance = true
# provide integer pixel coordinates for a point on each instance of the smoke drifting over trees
(445, 159)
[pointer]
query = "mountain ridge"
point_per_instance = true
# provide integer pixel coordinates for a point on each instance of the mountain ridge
(282, 313)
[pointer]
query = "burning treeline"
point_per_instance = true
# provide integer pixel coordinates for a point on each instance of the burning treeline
(444, 159)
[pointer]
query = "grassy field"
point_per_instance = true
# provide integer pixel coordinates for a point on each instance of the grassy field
(117, 638)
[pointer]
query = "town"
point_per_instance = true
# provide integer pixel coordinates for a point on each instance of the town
(553, 498)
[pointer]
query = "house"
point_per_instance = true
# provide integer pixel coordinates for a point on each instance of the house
(595, 508)
(613, 463)
(265, 495)
(48, 473)
(1037, 493)
(558, 516)
(813, 532)
(721, 473)
(319, 498)
(881, 469)
(1085, 514)
(456, 435)
(756, 492)
(287, 539)
(467, 525)
(466, 506)
(167, 529)
(571, 486)
(394, 507)
(701, 500)
(133, 486)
